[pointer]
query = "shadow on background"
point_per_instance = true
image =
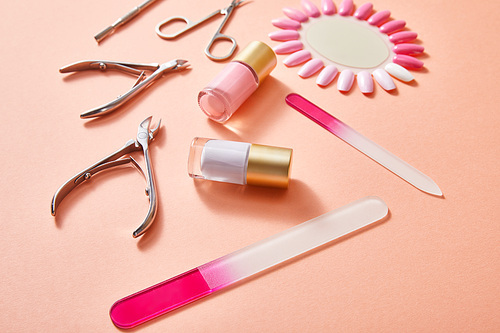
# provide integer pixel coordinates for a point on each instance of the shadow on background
(260, 112)
(298, 201)
(108, 118)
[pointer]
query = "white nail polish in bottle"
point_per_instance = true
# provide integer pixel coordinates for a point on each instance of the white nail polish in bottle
(239, 162)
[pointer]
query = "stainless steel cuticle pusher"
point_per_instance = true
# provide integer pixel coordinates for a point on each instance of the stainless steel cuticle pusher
(141, 143)
(122, 20)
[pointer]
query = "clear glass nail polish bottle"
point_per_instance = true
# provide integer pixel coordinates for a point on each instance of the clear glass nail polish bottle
(237, 81)
(239, 162)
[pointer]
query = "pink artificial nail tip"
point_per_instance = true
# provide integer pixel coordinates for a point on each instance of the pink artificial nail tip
(284, 23)
(310, 8)
(408, 48)
(297, 58)
(365, 82)
(327, 75)
(288, 47)
(384, 79)
(295, 14)
(328, 7)
(346, 7)
(379, 18)
(407, 61)
(311, 67)
(346, 79)
(284, 35)
(403, 37)
(364, 11)
(392, 26)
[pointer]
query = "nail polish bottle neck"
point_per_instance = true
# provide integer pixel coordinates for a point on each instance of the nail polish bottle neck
(256, 77)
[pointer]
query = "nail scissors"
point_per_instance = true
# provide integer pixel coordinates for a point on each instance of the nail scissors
(130, 68)
(191, 25)
(144, 136)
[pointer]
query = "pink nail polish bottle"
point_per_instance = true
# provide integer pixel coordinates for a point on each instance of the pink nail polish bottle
(237, 81)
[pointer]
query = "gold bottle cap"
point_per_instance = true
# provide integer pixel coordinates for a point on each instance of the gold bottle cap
(260, 57)
(269, 166)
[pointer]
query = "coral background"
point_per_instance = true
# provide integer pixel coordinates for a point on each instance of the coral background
(432, 266)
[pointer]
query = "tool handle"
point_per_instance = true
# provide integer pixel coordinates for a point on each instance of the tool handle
(217, 38)
(189, 25)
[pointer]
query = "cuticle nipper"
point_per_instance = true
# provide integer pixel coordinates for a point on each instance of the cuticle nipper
(144, 136)
(138, 69)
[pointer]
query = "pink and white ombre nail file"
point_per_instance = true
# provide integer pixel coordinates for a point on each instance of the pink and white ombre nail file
(364, 145)
(220, 273)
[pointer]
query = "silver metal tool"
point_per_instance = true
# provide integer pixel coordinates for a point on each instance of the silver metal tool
(141, 143)
(191, 25)
(122, 20)
(130, 68)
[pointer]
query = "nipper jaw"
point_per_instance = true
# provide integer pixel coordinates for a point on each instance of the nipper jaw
(139, 69)
(145, 135)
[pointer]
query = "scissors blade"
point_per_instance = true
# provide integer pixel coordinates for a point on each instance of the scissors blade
(364, 145)
(236, 3)
(227, 11)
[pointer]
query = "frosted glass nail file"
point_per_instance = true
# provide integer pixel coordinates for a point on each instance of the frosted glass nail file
(364, 145)
(224, 271)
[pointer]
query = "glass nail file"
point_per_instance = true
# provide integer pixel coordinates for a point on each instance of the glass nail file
(364, 145)
(224, 271)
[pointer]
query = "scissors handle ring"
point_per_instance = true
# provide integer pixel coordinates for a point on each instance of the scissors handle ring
(218, 37)
(189, 25)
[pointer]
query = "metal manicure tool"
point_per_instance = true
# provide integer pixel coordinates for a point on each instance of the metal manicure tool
(138, 69)
(191, 25)
(122, 20)
(141, 143)
(364, 145)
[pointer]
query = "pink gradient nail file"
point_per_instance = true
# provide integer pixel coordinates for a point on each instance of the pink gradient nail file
(364, 145)
(220, 273)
